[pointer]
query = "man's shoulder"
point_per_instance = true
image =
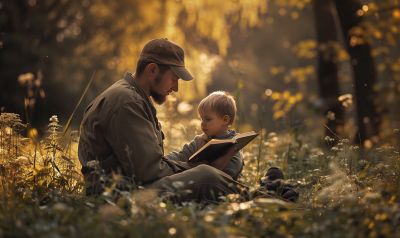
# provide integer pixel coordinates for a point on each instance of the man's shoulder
(121, 93)
(117, 96)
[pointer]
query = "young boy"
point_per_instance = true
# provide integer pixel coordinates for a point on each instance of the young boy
(217, 112)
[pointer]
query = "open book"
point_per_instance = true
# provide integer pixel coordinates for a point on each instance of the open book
(216, 148)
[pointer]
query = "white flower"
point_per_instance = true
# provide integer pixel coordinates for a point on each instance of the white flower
(92, 163)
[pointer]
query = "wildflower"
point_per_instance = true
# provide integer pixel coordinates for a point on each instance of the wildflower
(33, 133)
(354, 147)
(22, 160)
(372, 196)
(178, 184)
(109, 211)
(61, 207)
(244, 205)
(367, 144)
(268, 92)
(208, 218)
(54, 119)
(346, 100)
(330, 115)
(335, 148)
(272, 134)
(172, 231)
(184, 108)
(345, 141)
(195, 123)
(92, 163)
(25, 79)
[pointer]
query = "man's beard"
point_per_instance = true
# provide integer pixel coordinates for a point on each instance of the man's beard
(158, 98)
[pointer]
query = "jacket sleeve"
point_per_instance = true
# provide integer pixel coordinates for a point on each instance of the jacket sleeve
(134, 142)
(235, 166)
(187, 150)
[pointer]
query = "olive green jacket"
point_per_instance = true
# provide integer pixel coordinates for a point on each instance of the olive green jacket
(121, 131)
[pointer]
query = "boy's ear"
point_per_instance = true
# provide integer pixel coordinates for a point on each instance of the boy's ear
(226, 119)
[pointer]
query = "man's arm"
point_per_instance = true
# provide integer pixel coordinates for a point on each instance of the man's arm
(188, 149)
(184, 154)
(135, 144)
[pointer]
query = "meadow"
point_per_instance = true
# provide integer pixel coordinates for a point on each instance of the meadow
(345, 190)
(299, 70)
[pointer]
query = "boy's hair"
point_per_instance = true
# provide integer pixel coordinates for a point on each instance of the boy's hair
(220, 102)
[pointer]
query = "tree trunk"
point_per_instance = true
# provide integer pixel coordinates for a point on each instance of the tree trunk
(328, 82)
(368, 117)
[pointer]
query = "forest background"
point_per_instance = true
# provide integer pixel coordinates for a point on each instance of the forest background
(320, 81)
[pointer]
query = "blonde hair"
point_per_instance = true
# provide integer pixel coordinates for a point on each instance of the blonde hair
(220, 102)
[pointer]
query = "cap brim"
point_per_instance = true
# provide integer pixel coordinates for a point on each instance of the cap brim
(181, 72)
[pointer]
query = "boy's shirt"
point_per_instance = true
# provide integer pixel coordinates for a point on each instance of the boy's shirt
(233, 168)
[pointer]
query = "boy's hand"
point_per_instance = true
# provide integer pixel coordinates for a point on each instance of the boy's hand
(222, 161)
(204, 137)
(201, 140)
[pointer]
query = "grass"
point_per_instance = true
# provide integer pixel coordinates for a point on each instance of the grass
(345, 191)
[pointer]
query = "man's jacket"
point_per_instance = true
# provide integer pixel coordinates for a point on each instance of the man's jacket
(120, 130)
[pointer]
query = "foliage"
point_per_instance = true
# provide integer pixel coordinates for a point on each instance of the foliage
(50, 48)
(344, 191)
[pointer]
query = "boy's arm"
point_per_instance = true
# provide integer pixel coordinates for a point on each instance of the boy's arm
(187, 150)
(234, 166)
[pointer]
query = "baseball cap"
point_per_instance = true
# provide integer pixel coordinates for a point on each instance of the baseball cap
(163, 51)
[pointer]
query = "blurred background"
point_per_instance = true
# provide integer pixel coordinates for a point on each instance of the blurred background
(328, 67)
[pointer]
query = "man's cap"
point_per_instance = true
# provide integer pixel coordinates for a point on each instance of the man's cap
(162, 51)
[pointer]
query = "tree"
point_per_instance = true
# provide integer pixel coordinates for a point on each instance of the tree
(347, 13)
(62, 43)
(66, 41)
(364, 72)
(35, 37)
(327, 74)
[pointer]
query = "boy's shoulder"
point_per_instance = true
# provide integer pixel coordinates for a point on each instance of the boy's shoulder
(231, 133)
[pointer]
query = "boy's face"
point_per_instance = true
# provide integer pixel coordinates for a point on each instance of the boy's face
(213, 124)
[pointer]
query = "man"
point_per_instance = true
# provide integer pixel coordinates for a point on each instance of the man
(120, 133)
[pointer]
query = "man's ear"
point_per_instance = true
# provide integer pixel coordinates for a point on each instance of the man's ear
(152, 70)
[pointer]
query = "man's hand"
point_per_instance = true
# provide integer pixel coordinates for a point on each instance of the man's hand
(222, 161)
(194, 164)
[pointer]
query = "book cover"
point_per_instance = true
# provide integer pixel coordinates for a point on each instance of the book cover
(216, 148)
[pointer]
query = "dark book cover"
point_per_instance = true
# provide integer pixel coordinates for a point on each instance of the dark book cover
(216, 148)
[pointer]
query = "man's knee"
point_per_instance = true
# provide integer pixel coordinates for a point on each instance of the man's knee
(210, 175)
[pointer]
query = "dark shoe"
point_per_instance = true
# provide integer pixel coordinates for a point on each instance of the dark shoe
(273, 184)
(291, 195)
(274, 173)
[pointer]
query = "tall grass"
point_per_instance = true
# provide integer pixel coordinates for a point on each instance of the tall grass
(344, 192)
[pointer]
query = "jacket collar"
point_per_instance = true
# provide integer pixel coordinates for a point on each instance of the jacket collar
(130, 78)
(230, 134)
